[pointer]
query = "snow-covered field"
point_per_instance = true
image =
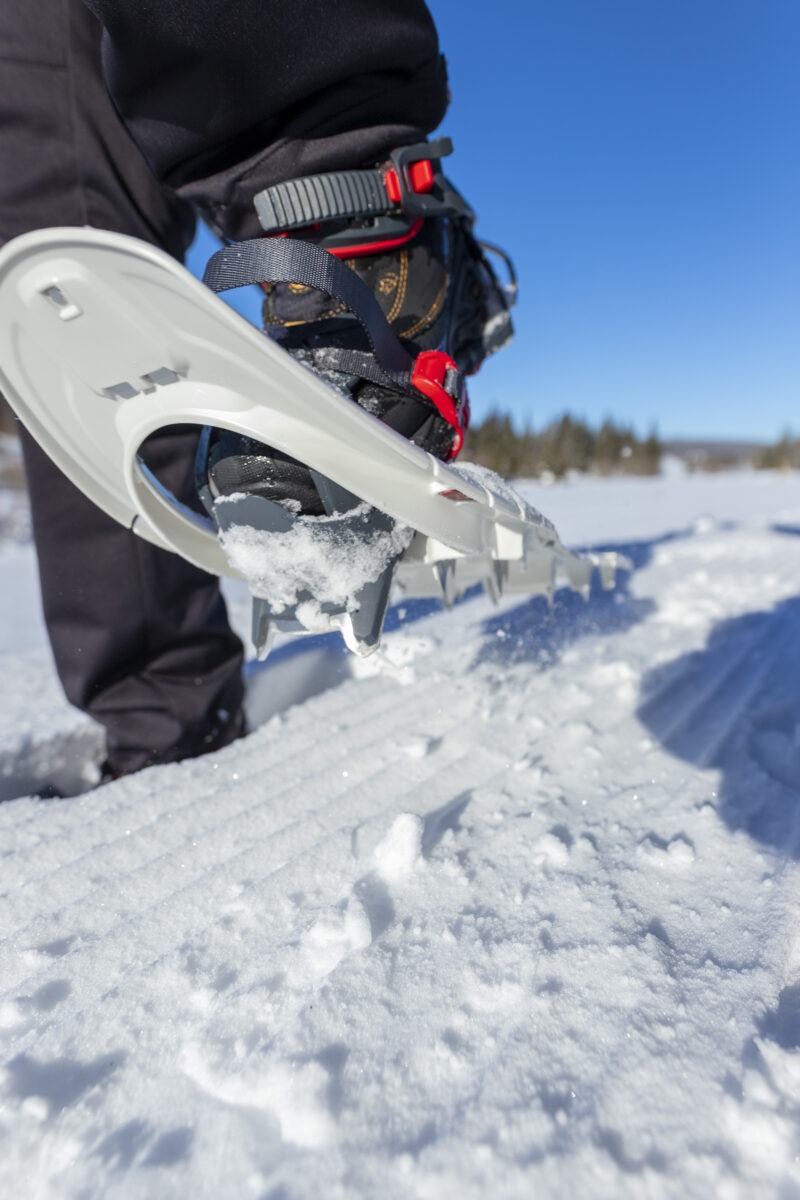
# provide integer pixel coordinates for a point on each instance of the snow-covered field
(510, 910)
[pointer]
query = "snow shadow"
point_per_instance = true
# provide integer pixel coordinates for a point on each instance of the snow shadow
(61, 1082)
(789, 530)
(120, 1148)
(782, 1024)
(293, 673)
(535, 631)
(307, 666)
(68, 764)
(735, 706)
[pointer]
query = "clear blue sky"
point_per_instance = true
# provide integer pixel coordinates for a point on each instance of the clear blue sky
(639, 159)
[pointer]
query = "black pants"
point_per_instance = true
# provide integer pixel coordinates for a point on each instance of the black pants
(211, 102)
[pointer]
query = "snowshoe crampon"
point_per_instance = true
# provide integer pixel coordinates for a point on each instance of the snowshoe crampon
(104, 340)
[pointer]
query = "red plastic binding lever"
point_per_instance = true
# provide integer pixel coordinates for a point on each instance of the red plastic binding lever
(376, 247)
(420, 176)
(392, 186)
(428, 377)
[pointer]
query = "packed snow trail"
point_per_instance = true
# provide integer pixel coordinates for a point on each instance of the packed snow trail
(510, 911)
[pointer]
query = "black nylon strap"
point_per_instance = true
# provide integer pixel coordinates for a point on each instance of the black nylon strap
(285, 260)
(357, 362)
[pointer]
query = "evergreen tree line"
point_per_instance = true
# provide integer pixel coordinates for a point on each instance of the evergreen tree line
(783, 456)
(566, 444)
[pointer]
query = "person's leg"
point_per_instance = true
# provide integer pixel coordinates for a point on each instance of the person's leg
(140, 637)
(67, 158)
(232, 96)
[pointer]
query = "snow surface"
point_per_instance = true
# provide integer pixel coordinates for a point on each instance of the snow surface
(507, 910)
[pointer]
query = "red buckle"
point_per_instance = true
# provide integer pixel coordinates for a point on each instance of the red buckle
(428, 376)
(392, 186)
(420, 175)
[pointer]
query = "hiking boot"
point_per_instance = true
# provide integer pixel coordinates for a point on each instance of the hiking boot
(405, 235)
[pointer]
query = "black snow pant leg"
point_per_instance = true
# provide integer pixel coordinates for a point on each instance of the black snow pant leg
(227, 97)
(222, 98)
(140, 638)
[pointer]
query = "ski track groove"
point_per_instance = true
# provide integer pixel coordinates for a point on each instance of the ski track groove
(55, 828)
(234, 830)
(327, 757)
(670, 697)
(141, 982)
(232, 824)
(730, 699)
(461, 775)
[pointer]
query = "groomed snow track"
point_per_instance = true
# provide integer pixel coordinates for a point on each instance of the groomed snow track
(510, 911)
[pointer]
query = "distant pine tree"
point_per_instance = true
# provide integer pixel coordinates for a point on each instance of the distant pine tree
(566, 444)
(783, 456)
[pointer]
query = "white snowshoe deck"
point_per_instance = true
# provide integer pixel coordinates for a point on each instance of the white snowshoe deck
(105, 339)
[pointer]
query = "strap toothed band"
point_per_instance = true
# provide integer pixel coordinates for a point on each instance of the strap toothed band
(411, 184)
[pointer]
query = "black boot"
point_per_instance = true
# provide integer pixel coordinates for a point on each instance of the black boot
(406, 234)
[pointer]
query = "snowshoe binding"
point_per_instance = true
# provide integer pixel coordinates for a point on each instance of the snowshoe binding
(374, 281)
(325, 465)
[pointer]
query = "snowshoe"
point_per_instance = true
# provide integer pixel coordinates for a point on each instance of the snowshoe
(105, 339)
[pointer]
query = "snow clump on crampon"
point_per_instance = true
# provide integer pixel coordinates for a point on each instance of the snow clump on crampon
(318, 555)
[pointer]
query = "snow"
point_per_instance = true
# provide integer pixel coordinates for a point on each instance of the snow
(493, 482)
(507, 910)
(285, 565)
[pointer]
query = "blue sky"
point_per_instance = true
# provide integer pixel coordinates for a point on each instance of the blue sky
(639, 159)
